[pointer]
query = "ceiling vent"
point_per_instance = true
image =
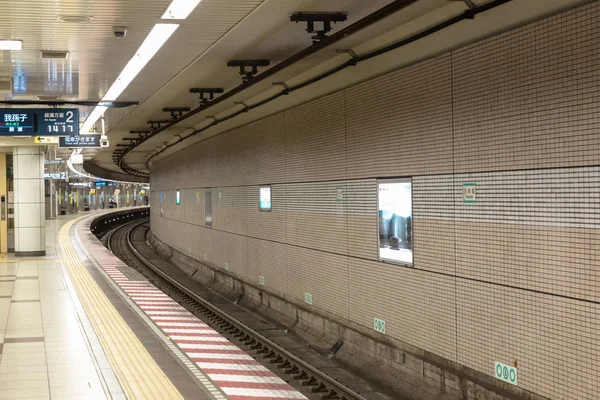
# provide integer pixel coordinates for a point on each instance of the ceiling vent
(75, 19)
(6, 85)
(55, 54)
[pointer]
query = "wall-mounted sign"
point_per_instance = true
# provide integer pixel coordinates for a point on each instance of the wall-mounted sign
(339, 196)
(379, 325)
(80, 141)
(80, 184)
(506, 373)
(264, 198)
(41, 121)
(308, 298)
(55, 175)
(469, 193)
(92, 191)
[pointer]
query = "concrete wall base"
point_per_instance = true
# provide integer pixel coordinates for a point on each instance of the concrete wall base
(408, 371)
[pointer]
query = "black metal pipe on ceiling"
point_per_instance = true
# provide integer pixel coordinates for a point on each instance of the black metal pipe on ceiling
(469, 14)
(359, 25)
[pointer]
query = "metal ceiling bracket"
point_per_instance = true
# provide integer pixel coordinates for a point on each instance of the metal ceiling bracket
(141, 134)
(206, 94)
(156, 124)
(248, 74)
(326, 18)
(176, 112)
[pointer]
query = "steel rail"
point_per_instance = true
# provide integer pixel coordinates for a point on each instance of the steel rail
(320, 382)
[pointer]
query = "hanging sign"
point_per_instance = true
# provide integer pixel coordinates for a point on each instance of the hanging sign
(80, 141)
(41, 121)
(55, 175)
(46, 140)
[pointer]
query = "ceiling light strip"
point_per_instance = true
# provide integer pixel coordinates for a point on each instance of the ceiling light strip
(11, 45)
(157, 37)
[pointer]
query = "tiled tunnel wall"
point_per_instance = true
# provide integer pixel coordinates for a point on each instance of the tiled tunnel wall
(515, 276)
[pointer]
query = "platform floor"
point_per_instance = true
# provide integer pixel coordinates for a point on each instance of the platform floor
(47, 347)
(66, 334)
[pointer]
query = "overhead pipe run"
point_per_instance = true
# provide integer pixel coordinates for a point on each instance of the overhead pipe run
(354, 60)
(369, 20)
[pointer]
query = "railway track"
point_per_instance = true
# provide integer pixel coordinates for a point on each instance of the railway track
(299, 372)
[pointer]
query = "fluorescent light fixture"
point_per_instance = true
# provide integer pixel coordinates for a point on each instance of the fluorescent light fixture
(180, 9)
(11, 45)
(89, 123)
(153, 42)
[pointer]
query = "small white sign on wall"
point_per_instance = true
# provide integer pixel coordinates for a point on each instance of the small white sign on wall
(339, 194)
(506, 373)
(379, 325)
(198, 197)
(308, 298)
(469, 193)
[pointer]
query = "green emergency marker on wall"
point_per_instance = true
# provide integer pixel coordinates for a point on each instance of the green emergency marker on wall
(506, 373)
(308, 298)
(261, 280)
(339, 196)
(469, 193)
(379, 325)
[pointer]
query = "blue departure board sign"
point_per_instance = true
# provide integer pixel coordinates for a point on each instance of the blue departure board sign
(39, 121)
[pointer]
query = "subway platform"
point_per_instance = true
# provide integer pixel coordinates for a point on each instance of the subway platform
(73, 325)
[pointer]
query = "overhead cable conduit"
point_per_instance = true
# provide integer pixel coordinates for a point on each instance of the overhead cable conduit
(357, 26)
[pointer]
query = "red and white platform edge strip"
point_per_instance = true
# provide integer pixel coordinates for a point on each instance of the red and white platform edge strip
(239, 375)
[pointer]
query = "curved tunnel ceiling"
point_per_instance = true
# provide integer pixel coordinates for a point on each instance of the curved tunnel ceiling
(265, 32)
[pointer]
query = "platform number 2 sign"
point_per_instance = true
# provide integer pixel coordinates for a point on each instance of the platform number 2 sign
(506, 373)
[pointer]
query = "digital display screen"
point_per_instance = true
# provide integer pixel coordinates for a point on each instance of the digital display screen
(395, 221)
(55, 122)
(15, 121)
(39, 121)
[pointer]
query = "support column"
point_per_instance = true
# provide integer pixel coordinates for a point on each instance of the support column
(4, 193)
(30, 212)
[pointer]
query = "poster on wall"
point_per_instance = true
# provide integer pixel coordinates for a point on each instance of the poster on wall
(395, 221)
(265, 198)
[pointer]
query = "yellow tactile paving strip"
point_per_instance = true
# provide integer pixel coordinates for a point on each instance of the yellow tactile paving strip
(139, 376)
